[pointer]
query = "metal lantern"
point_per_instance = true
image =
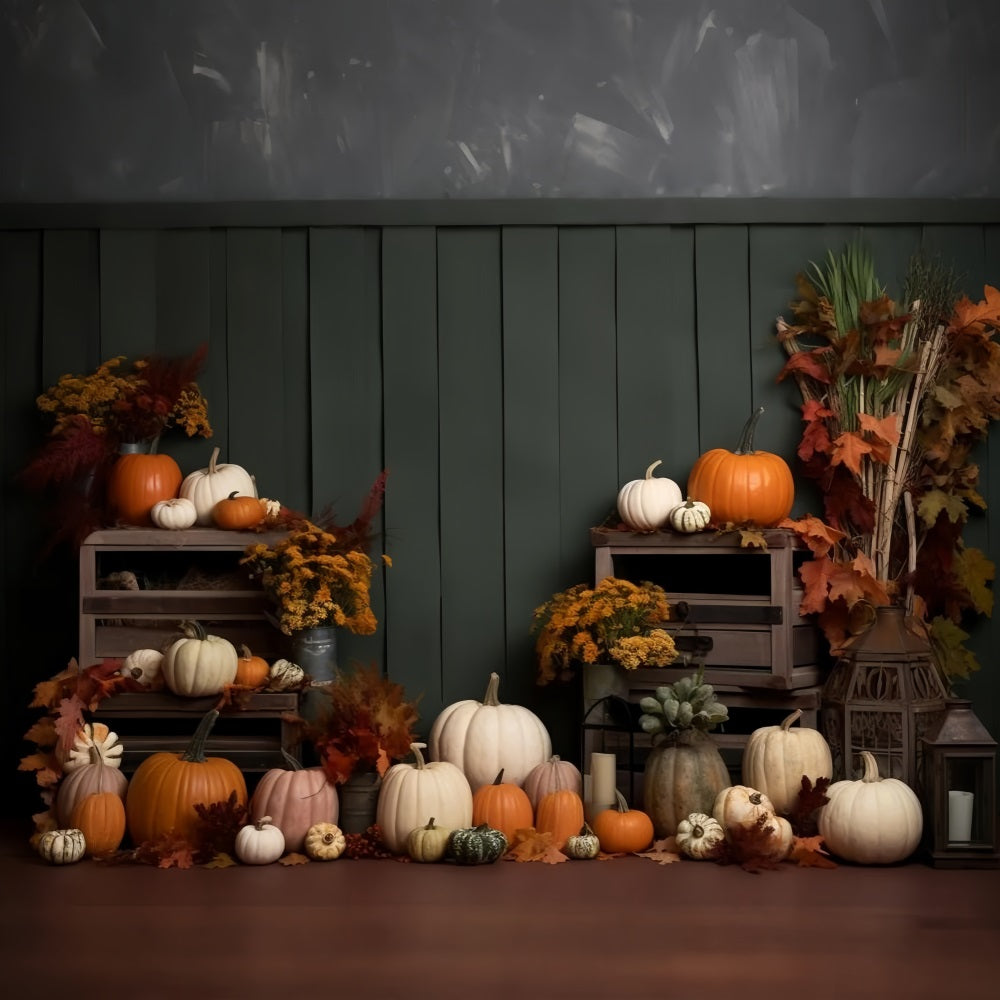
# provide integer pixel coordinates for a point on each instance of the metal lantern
(960, 822)
(883, 695)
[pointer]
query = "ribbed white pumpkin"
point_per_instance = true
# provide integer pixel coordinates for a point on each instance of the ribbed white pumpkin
(174, 514)
(62, 847)
(776, 758)
(740, 805)
(645, 504)
(199, 664)
(145, 667)
(481, 737)
(206, 487)
(871, 821)
(689, 517)
(413, 794)
(553, 775)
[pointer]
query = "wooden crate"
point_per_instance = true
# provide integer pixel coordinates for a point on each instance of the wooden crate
(179, 575)
(745, 600)
(252, 736)
(748, 710)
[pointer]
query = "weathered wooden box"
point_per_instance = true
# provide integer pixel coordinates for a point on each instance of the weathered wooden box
(137, 584)
(745, 600)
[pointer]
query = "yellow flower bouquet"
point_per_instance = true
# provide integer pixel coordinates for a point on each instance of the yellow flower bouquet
(315, 579)
(617, 622)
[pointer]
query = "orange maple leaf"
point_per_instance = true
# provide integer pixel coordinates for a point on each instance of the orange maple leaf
(817, 535)
(49, 693)
(886, 358)
(534, 845)
(663, 852)
(807, 852)
(46, 768)
(849, 449)
(69, 721)
(293, 858)
(815, 576)
(972, 314)
(886, 429)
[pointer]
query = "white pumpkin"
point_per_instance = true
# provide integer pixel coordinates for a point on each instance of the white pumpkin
(414, 794)
(740, 805)
(260, 843)
(62, 847)
(689, 517)
(206, 487)
(481, 737)
(145, 667)
(871, 821)
(175, 514)
(645, 504)
(199, 664)
(94, 742)
(283, 675)
(776, 758)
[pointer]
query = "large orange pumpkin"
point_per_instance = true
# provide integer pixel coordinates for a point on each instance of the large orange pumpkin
(743, 486)
(504, 807)
(138, 482)
(166, 787)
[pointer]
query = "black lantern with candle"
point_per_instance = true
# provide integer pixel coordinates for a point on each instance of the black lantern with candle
(959, 794)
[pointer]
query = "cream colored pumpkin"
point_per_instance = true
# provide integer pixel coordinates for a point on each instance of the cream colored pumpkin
(206, 487)
(645, 504)
(62, 847)
(741, 805)
(145, 667)
(700, 837)
(325, 842)
(260, 842)
(481, 737)
(776, 758)
(428, 844)
(199, 664)
(285, 676)
(94, 737)
(871, 821)
(175, 514)
(413, 794)
(552, 776)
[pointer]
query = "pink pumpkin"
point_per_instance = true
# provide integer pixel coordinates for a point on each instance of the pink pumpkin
(295, 798)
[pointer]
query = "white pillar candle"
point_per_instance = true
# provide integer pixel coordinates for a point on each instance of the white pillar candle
(959, 816)
(603, 778)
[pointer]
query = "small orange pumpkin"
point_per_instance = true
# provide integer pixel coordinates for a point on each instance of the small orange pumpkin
(743, 486)
(251, 671)
(237, 512)
(101, 817)
(504, 807)
(622, 830)
(561, 814)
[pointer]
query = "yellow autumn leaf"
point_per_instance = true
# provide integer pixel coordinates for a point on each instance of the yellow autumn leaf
(933, 502)
(976, 571)
(954, 659)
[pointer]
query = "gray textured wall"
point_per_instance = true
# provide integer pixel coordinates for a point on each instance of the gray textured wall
(118, 100)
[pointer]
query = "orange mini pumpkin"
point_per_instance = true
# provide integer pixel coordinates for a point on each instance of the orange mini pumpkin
(251, 671)
(504, 807)
(743, 486)
(101, 817)
(237, 512)
(561, 814)
(622, 830)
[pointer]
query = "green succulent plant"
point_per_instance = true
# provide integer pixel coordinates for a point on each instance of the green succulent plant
(686, 704)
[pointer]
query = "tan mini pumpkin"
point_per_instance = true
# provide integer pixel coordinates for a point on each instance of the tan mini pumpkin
(583, 846)
(741, 805)
(689, 517)
(429, 843)
(325, 842)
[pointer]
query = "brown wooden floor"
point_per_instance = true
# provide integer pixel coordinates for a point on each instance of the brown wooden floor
(626, 928)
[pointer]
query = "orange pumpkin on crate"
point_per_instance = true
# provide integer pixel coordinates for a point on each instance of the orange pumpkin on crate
(139, 481)
(251, 671)
(744, 486)
(237, 512)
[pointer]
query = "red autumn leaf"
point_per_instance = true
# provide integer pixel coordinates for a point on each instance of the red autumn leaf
(752, 845)
(818, 536)
(815, 575)
(886, 359)
(69, 721)
(815, 441)
(810, 799)
(811, 363)
(850, 448)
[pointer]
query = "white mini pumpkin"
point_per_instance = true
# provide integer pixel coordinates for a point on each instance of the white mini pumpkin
(260, 843)
(175, 514)
(645, 504)
(689, 517)
(871, 821)
(284, 675)
(481, 737)
(206, 487)
(62, 847)
(145, 667)
(94, 742)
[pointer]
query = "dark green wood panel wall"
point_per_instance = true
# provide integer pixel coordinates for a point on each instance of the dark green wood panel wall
(508, 378)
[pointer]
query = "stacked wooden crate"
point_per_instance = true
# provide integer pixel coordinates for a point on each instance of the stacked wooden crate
(764, 659)
(136, 585)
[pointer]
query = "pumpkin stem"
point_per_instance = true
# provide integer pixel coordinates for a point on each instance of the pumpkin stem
(620, 801)
(154, 443)
(795, 715)
(262, 822)
(649, 471)
(292, 763)
(430, 824)
(194, 630)
(212, 461)
(498, 780)
(492, 696)
(195, 752)
(870, 766)
(416, 748)
(234, 495)
(745, 447)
